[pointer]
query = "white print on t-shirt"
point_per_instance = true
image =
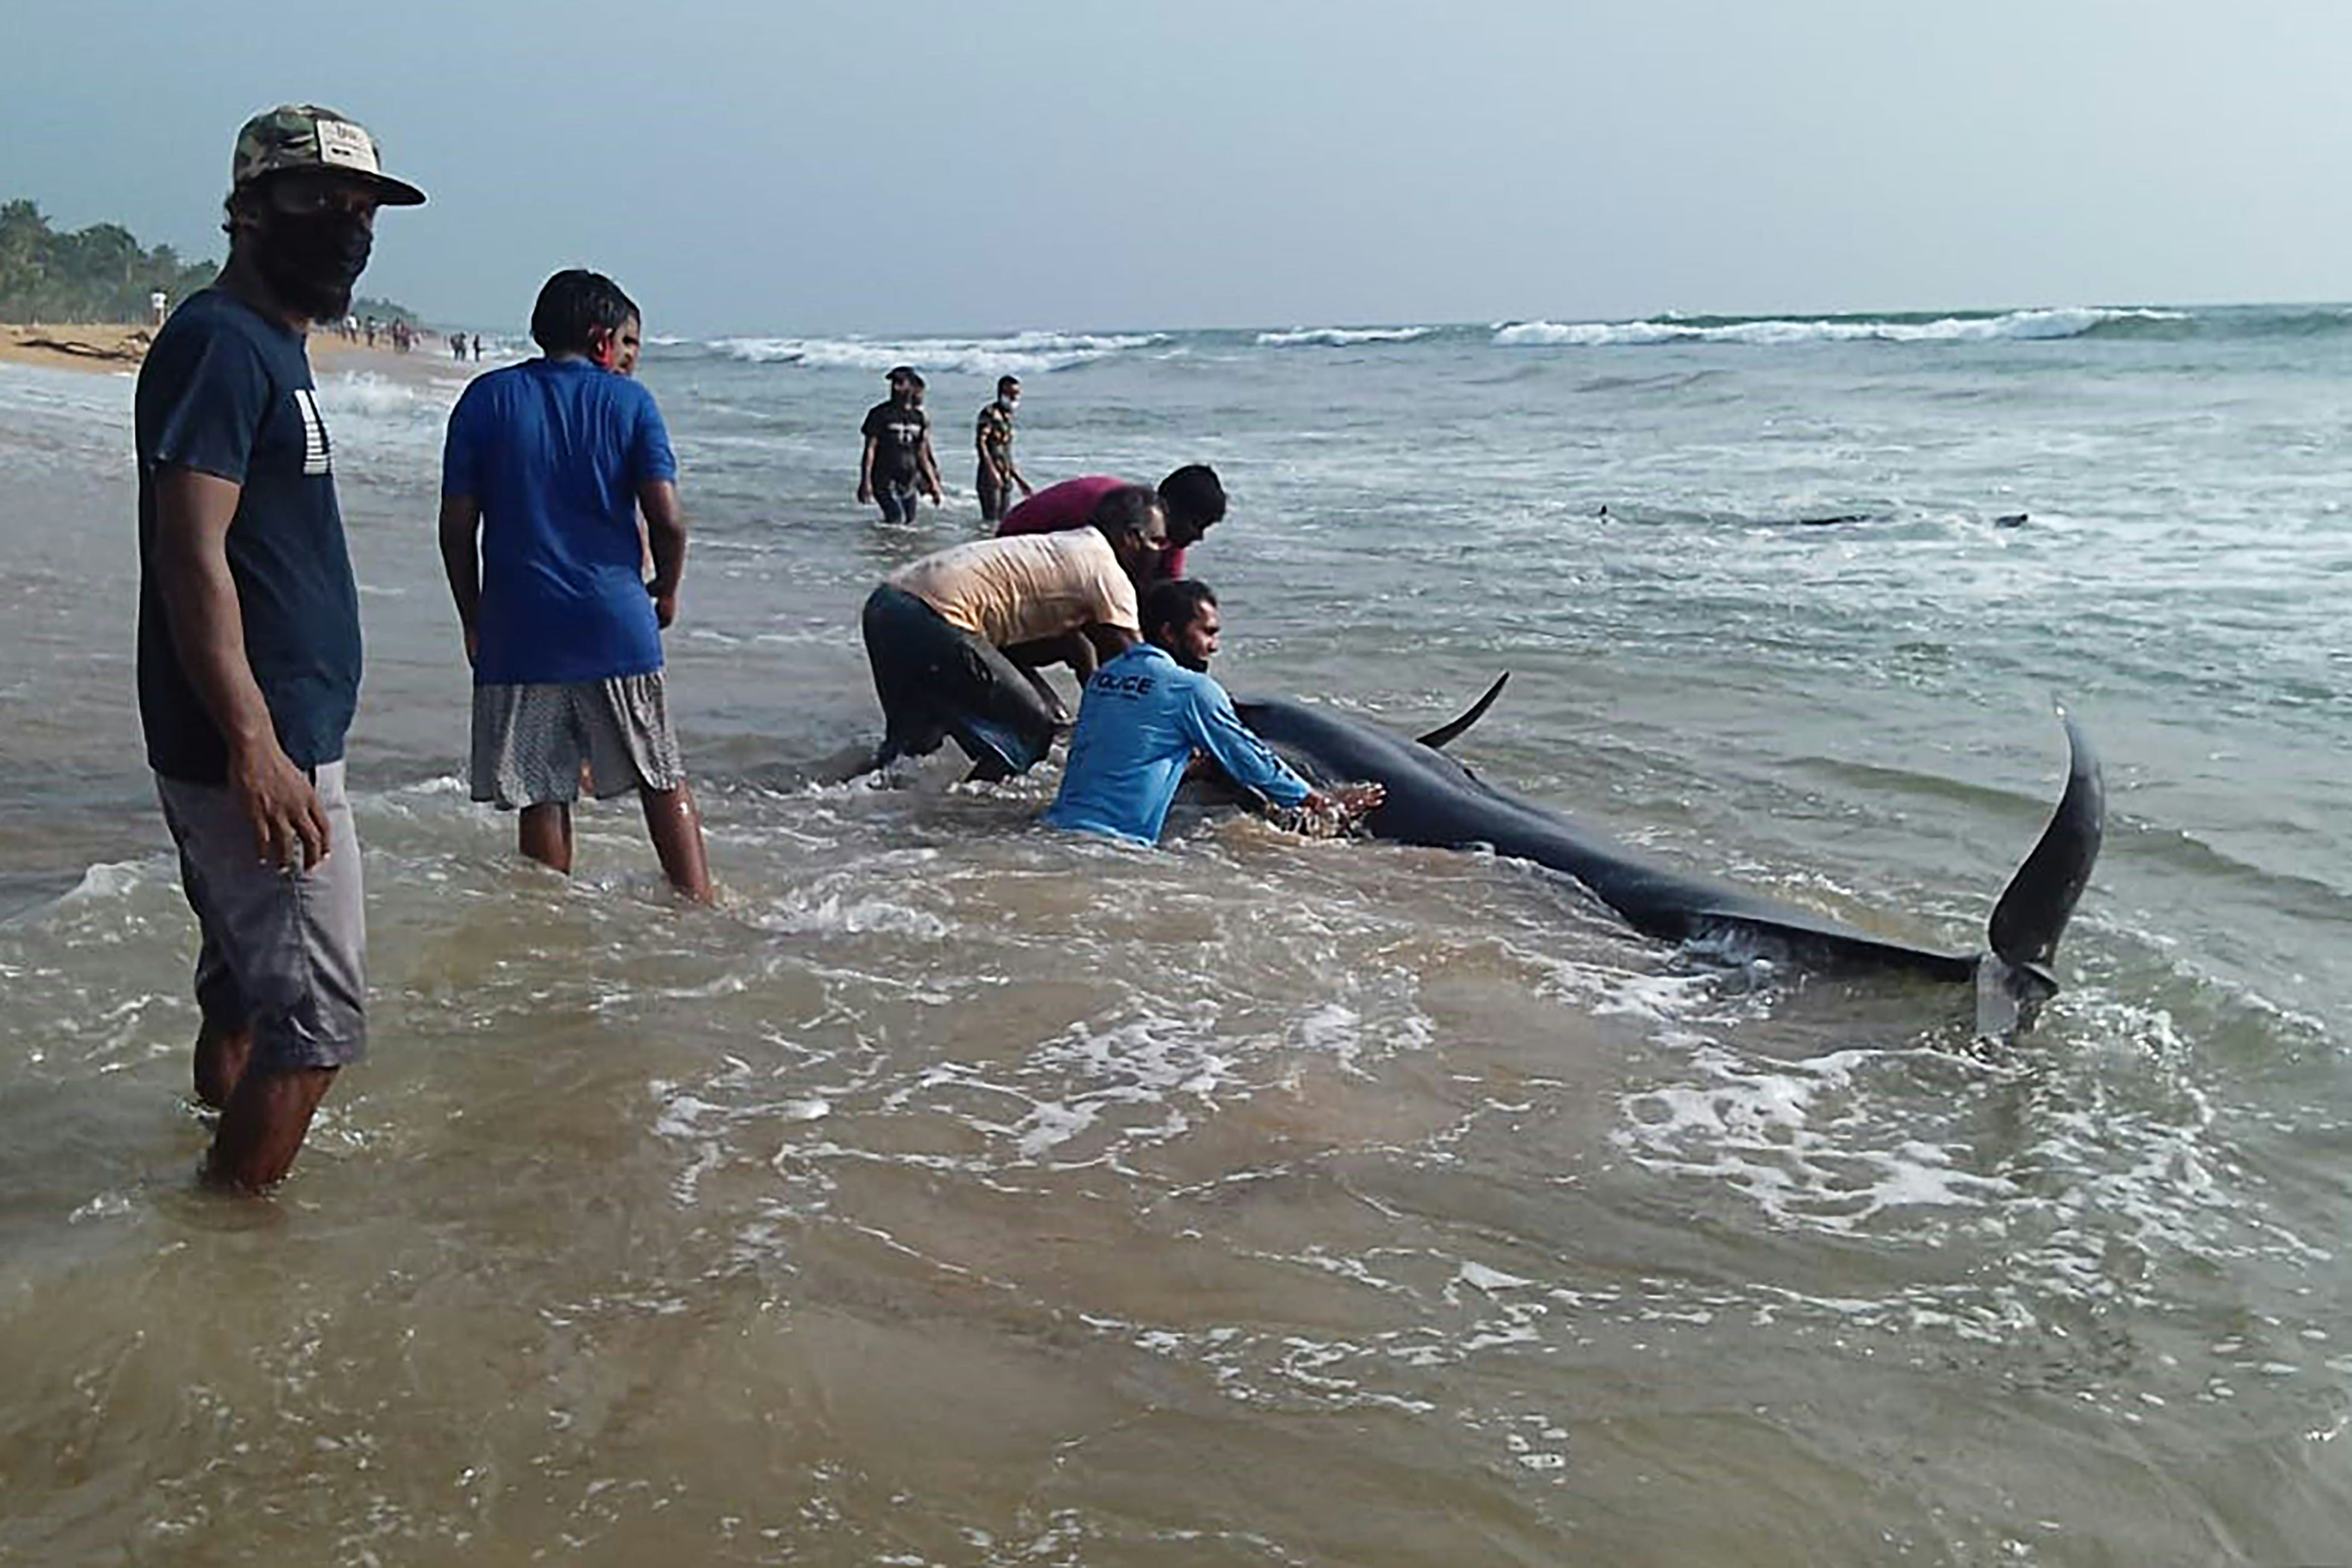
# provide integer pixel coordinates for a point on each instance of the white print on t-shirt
(318, 456)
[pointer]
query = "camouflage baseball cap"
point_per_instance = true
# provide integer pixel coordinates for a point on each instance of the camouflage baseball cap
(305, 136)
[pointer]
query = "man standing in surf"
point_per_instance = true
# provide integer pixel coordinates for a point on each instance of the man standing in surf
(997, 473)
(547, 466)
(896, 463)
(249, 636)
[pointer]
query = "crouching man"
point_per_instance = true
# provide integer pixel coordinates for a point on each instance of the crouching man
(955, 638)
(1148, 711)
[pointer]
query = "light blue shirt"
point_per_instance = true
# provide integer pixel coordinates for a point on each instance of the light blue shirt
(1142, 718)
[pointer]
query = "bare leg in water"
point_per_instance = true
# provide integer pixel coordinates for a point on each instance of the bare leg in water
(222, 1052)
(676, 824)
(265, 1116)
(544, 835)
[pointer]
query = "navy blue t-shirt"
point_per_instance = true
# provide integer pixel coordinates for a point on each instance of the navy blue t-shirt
(227, 392)
(553, 451)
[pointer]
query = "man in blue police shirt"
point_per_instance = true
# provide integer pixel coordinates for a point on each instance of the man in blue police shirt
(1145, 714)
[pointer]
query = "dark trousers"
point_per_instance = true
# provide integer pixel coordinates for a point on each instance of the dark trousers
(995, 498)
(936, 680)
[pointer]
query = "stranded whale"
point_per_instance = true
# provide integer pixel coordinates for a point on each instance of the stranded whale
(1433, 800)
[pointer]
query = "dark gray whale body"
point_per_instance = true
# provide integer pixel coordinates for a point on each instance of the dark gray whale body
(1433, 800)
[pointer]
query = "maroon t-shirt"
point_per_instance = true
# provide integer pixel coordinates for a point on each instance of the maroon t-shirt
(1071, 504)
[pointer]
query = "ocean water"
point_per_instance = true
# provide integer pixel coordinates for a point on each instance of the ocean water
(958, 1193)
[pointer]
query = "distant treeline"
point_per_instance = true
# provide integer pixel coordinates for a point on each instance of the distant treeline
(96, 274)
(101, 273)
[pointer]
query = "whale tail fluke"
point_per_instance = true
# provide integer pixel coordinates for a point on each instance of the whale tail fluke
(1436, 739)
(2032, 914)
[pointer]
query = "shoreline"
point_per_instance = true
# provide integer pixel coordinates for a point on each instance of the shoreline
(115, 347)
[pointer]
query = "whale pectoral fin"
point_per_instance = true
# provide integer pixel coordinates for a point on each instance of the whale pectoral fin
(1436, 739)
(2033, 909)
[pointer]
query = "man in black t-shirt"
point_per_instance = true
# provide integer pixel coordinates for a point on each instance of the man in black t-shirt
(249, 636)
(896, 462)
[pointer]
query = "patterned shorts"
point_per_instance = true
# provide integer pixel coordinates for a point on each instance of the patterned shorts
(530, 740)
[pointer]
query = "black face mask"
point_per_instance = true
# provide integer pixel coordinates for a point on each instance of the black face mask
(313, 259)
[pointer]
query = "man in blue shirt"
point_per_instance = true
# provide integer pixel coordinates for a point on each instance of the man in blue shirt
(547, 466)
(249, 636)
(1145, 714)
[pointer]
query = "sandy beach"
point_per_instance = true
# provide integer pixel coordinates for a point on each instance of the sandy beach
(74, 347)
(117, 347)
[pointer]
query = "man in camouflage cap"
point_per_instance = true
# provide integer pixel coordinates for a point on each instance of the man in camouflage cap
(305, 136)
(249, 634)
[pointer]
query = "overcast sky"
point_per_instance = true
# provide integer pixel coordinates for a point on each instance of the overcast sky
(770, 166)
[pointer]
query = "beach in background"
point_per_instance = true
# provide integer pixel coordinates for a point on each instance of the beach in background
(960, 1193)
(104, 346)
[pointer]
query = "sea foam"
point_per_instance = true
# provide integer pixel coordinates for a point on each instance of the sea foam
(2069, 321)
(1014, 353)
(1340, 337)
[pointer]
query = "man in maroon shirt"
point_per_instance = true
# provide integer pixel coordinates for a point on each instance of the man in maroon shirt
(1193, 497)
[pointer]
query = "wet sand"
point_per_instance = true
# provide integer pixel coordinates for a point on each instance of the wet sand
(113, 347)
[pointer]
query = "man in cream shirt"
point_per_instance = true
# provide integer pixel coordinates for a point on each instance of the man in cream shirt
(955, 638)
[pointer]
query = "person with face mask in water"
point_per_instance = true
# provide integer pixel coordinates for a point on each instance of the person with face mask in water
(992, 438)
(249, 634)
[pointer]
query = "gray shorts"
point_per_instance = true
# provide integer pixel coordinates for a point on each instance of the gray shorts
(284, 952)
(529, 740)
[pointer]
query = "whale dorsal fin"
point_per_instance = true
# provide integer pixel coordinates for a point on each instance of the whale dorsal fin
(2032, 911)
(1436, 739)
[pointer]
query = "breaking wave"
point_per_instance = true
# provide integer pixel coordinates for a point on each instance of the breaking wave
(1015, 353)
(2070, 321)
(1340, 337)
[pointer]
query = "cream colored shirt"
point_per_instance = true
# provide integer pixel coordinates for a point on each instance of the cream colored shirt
(1025, 588)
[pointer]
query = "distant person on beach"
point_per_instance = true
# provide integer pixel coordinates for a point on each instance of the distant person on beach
(158, 307)
(1195, 497)
(249, 636)
(1147, 712)
(546, 467)
(938, 631)
(897, 463)
(998, 474)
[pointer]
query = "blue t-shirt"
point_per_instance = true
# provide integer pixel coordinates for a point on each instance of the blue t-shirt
(1142, 718)
(553, 451)
(226, 391)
